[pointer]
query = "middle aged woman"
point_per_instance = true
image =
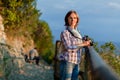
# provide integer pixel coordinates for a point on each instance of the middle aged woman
(72, 41)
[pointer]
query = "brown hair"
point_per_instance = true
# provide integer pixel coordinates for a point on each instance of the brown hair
(68, 14)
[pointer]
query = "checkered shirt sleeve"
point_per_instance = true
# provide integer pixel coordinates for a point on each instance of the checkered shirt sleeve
(73, 52)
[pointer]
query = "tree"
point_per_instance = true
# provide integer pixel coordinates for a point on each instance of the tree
(22, 18)
(96, 47)
(43, 39)
(20, 14)
(108, 47)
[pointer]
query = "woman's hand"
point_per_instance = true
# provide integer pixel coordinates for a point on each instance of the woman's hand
(87, 43)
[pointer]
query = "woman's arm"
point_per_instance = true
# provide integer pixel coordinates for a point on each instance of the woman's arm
(65, 38)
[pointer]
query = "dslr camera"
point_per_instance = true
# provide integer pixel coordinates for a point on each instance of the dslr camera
(87, 38)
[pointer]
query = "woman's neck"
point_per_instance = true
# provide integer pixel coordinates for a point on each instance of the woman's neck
(72, 27)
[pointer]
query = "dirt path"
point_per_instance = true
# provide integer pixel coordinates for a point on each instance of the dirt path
(34, 72)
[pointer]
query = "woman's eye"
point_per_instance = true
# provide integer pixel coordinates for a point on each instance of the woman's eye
(73, 18)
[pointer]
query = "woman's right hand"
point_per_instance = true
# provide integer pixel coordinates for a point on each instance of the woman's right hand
(87, 43)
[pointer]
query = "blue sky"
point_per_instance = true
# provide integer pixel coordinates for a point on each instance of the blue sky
(100, 19)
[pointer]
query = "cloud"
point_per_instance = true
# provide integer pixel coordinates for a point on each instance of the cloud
(114, 5)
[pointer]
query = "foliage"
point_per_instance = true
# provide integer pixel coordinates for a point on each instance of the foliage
(112, 61)
(108, 55)
(20, 15)
(108, 47)
(48, 57)
(22, 18)
(44, 35)
(96, 46)
(43, 38)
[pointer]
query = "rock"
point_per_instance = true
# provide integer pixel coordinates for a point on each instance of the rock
(12, 63)
(15, 68)
(2, 33)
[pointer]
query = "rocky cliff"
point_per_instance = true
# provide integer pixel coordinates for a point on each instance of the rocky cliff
(12, 63)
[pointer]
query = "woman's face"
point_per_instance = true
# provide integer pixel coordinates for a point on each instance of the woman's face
(72, 20)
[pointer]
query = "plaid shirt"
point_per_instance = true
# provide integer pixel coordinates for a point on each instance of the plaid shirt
(73, 52)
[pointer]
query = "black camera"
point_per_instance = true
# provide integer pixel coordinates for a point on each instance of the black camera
(86, 38)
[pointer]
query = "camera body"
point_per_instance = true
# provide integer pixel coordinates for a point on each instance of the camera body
(87, 38)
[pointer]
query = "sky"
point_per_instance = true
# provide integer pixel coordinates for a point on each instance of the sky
(99, 19)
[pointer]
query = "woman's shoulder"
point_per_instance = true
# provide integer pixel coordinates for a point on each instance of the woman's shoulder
(65, 31)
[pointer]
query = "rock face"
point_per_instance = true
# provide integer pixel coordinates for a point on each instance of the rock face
(12, 63)
(8, 61)
(2, 33)
(15, 68)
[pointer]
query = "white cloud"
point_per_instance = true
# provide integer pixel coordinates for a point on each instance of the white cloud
(114, 5)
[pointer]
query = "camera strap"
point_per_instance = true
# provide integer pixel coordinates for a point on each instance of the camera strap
(73, 34)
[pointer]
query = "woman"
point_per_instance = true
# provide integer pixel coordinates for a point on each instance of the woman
(72, 41)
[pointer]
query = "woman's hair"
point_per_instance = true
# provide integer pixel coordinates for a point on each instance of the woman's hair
(68, 14)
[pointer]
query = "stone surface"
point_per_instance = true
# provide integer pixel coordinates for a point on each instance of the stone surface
(2, 33)
(15, 68)
(12, 63)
